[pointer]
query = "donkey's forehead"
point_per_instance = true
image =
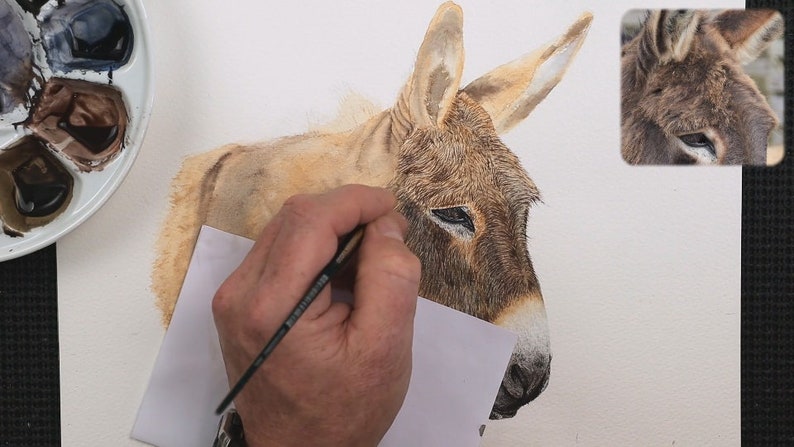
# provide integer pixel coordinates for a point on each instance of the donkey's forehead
(696, 69)
(476, 179)
(689, 96)
(466, 160)
(471, 131)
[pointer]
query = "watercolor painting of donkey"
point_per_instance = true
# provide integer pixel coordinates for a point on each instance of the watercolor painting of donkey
(464, 193)
(685, 96)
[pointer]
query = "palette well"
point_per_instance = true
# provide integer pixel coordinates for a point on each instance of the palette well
(75, 99)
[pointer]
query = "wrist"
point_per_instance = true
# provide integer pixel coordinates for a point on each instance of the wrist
(230, 431)
(288, 435)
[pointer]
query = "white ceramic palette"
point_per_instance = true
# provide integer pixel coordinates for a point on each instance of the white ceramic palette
(93, 50)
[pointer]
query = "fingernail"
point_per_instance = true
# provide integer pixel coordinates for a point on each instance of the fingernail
(389, 228)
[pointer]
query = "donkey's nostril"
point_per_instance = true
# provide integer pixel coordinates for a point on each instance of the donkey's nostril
(519, 387)
(520, 376)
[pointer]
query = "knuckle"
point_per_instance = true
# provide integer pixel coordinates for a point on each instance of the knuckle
(221, 301)
(404, 265)
(353, 188)
(299, 207)
(229, 306)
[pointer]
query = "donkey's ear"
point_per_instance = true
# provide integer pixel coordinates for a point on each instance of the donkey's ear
(510, 92)
(668, 35)
(430, 92)
(749, 31)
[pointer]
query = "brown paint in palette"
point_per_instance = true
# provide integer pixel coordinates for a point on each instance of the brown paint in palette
(84, 121)
(35, 187)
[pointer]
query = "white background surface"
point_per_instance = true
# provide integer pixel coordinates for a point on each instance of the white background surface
(640, 267)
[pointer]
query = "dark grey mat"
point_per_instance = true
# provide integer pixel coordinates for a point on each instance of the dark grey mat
(29, 375)
(768, 283)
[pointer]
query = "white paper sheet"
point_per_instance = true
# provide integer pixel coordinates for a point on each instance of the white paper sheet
(458, 364)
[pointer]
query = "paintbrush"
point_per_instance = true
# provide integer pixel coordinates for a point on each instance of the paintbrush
(347, 247)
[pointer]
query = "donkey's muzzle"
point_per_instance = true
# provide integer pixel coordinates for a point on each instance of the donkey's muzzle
(519, 387)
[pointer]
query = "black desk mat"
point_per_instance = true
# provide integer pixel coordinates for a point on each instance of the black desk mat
(29, 367)
(768, 281)
(29, 374)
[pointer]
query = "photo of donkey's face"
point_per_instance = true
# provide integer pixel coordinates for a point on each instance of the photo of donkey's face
(685, 96)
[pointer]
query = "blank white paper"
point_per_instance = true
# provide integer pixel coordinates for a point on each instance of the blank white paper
(458, 364)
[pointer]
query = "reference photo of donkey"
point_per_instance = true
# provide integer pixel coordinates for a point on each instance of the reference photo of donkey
(464, 193)
(685, 96)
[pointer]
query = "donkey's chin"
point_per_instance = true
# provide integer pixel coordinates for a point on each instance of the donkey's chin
(518, 389)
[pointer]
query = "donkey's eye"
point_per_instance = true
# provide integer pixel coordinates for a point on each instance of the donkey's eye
(698, 140)
(457, 215)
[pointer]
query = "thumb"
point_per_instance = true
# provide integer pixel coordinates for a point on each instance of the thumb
(387, 281)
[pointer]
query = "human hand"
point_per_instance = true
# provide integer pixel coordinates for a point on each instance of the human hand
(340, 375)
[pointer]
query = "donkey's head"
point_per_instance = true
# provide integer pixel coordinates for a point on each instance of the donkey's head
(466, 196)
(686, 98)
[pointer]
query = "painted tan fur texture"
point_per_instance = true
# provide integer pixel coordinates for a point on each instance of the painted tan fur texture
(686, 98)
(464, 193)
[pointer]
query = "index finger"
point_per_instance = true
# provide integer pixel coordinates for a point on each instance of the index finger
(309, 230)
(347, 206)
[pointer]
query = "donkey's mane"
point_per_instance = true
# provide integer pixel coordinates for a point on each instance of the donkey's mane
(354, 110)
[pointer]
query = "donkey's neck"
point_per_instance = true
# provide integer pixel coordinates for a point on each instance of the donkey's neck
(380, 133)
(374, 146)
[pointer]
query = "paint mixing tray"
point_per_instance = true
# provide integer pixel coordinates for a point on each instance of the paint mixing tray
(75, 100)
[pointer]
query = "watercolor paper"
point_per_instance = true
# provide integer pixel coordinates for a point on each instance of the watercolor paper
(639, 266)
(463, 192)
